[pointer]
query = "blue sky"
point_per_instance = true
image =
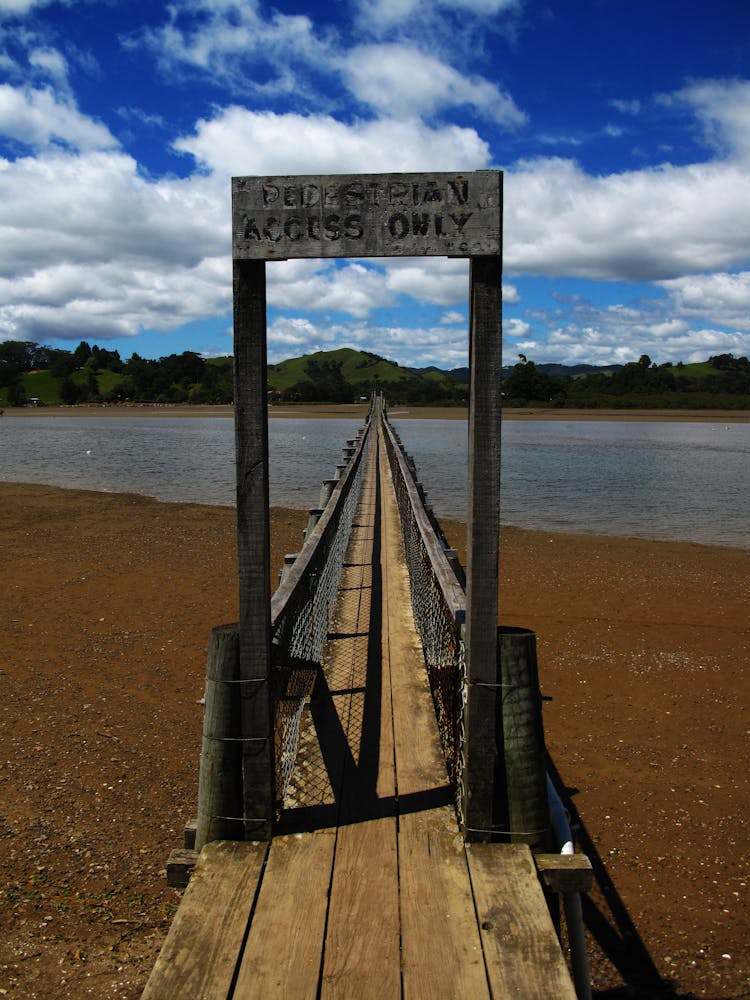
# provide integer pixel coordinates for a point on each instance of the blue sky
(623, 129)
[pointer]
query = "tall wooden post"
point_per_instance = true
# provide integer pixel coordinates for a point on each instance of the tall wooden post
(253, 546)
(482, 767)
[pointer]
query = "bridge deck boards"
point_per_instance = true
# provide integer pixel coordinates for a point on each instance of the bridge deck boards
(372, 892)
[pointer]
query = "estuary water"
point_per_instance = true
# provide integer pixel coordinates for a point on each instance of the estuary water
(683, 481)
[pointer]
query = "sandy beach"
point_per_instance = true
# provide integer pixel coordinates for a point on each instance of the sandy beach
(106, 609)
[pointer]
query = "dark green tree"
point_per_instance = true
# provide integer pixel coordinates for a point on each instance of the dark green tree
(60, 363)
(16, 356)
(529, 384)
(17, 394)
(69, 391)
(81, 354)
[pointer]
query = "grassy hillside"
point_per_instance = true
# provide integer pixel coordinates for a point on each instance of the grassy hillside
(45, 386)
(697, 369)
(359, 368)
(345, 373)
(106, 381)
(42, 385)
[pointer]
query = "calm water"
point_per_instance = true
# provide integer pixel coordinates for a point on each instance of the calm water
(650, 480)
(182, 459)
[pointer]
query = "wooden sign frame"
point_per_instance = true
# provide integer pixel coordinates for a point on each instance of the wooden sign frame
(367, 215)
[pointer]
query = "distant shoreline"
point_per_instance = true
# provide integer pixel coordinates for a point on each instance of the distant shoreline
(358, 411)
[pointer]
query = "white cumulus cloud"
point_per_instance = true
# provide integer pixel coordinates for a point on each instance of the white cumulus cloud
(92, 246)
(723, 109)
(652, 224)
(581, 331)
(16, 8)
(437, 280)
(723, 297)
(38, 118)
(401, 81)
(353, 288)
(515, 328)
(231, 40)
(237, 141)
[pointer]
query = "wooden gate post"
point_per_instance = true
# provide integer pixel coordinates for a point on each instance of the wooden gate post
(482, 765)
(253, 546)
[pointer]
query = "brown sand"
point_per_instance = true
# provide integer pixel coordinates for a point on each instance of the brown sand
(107, 604)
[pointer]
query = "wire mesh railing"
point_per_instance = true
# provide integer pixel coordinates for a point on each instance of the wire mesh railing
(302, 607)
(438, 603)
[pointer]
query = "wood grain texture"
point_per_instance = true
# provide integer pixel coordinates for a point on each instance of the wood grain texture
(481, 750)
(200, 954)
(389, 903)
(441, 947)
(282, 955)
(220, 777)
(521, 949)
(524, 751)
(362, 956)
(180, 866)
(253, 544)
(366, 215)
(565, 872)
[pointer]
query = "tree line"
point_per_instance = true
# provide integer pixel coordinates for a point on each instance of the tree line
(722, 382)
(91, 374)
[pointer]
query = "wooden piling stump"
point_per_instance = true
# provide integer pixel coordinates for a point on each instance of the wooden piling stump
(220, 780)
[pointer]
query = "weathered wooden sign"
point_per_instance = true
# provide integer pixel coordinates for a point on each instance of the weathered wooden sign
(367, 215)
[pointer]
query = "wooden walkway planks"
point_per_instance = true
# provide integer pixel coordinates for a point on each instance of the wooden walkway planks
(285, 942)
(364, 889)
(375, 895)
(442, 952)
(200, 954)
(362, 943)
(522, 953)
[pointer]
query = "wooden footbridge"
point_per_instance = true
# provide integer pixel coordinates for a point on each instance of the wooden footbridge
(373, 811)
(368, 887)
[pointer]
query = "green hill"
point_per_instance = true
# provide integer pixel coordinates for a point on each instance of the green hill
(345, 374)
(693, 370)
(46, 387)
(41, 385)
(358, 368)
